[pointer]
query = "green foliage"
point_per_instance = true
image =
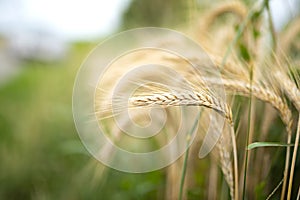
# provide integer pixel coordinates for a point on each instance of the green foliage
(267, 144)
(259, 191)
(157, 13)
(195, 193)
(244, 53)
(40, 152)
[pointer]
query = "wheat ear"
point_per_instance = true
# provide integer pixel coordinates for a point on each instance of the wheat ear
(262, 93)
(193, 99)
(294, 95)
(224, 148)
(289, 88)
(183, 99)
(269, 96)
(226, 164)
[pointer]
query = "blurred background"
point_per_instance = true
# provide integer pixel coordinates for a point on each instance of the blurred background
(42, 45)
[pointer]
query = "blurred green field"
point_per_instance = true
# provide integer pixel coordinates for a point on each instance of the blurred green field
(41, 156)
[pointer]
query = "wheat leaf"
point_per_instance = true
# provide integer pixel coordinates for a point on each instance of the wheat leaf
(267, 144)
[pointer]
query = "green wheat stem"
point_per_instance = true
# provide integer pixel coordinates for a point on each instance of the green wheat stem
(183, 173)
(238, 35)
(186, 155)
(271, 25)
(248, 134)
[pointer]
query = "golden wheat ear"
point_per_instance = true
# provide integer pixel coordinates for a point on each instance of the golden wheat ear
(195, 99)
(293, 93)
(266, 95)
(225, 149)
(183, 99)
(223, 155)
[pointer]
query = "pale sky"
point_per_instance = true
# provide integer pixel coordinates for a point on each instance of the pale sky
(73, 19)
(82, 19)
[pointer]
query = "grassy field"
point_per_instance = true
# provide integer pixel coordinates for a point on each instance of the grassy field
(42, 157)
(40, 151)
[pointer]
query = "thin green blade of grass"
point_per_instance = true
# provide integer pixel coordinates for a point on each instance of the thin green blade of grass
(248, 135)
(186, 155)
(267, 144)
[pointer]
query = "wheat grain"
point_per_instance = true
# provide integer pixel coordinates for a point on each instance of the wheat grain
(183, 99)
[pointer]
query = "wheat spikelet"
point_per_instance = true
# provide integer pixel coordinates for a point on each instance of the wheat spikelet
(289, 88)
(262, 93)
(223, 152)
(183, 99)
(224, 148)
